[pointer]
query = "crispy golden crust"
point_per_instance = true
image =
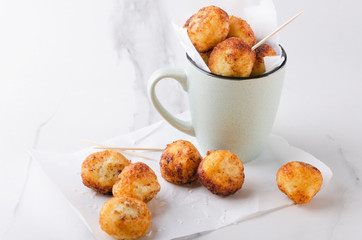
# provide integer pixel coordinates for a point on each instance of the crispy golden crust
(299, 181)
(205, 56)
(241, 29)
(208, 27)
(137, 181)
(261, 52)
(188, 22)
(100, 170)
(125, 217)
(232, 58)
(221, 172)
(179, 162)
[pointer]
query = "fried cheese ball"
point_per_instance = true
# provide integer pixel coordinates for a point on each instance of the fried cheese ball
(137, 181)
(232, 58)
(125, 217)
(299, 181)
(208, 27)
(261, 52)
(221, 172)
(205, 56)
(241, 29)
(100, 170)
(179, 162)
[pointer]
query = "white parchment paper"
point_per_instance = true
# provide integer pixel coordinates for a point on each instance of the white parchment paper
(179, 211)
(261, 16)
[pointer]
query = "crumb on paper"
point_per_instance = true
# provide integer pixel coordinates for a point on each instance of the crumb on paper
(223, 216)
(149, 233)
(161, 204)
(83, 191)
(180, 221)
(161, 229)
(206, 201)
(222, 219)
(190, 191)
(94, 194)
(92, 206)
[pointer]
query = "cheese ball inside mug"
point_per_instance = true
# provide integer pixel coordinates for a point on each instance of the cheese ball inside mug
(221, 172)
(179, 162)
(261, 52)
(205, 56)
(232, 58)
(137, 181)
(299, 181)
(208, 27)
(241, 29)
(125, 217)
(101, 169)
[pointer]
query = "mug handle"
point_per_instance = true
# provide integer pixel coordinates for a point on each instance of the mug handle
(180, 76)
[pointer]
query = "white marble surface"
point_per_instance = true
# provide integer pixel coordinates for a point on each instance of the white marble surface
(72, 71)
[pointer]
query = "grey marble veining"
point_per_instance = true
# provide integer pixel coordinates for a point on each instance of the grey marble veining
(142, 34)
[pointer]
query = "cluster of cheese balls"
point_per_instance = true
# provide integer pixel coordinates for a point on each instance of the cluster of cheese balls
(125, 215)
(225, 43)
(222, 172)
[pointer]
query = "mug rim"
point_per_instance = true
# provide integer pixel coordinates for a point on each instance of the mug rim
(284, 54)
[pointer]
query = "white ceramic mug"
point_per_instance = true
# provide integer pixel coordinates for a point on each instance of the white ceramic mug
(227, 113)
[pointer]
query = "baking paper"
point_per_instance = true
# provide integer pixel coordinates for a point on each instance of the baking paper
(179, 211)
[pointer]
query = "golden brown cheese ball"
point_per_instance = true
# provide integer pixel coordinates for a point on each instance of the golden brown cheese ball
(188, 22)
(205, 56)
(208, 27)
(299, 181)
(261, 52)
(221, 172)
(179, 162)
(101, 169)
(125, 217)
(241, 29)
(232, 58)
(137, 181)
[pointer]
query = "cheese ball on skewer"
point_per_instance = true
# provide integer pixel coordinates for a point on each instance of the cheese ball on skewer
(208, 27)
(221, 172)
(299, 181)
(179, 162)
(101, 169)
(137, 181)
(232, 58)
(241, 29)
(261, 52)
(125, 217)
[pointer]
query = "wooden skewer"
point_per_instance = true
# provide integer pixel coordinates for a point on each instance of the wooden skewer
(101, 146)
(275, 31)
